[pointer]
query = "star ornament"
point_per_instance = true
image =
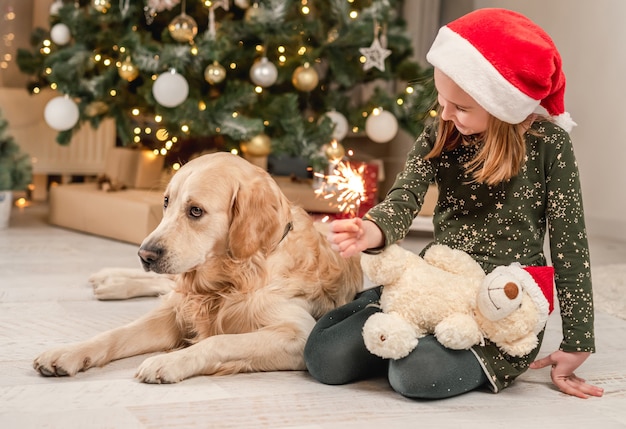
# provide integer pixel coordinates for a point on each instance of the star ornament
(224, 4)
(375, 56)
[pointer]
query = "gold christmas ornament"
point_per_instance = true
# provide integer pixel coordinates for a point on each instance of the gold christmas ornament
(96, 108)
(214, 73)
(259, 145)
(183, 28)
(305, 78)
(334, 151)
(252, 13)
(101, 6)
(128, 70)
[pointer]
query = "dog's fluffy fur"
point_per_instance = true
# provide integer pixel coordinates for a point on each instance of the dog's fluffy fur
(251, 273)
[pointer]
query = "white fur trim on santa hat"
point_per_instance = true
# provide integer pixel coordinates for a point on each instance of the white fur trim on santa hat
(536, 294)
(469, 69)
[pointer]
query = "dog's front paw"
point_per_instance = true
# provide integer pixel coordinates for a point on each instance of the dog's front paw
(110, 289)
(162, 369)
(113, 283)
(62, 361)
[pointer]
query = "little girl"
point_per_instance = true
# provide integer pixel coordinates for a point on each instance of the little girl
(505, 174)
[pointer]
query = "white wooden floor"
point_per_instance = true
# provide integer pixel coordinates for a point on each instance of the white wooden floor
(45, 300)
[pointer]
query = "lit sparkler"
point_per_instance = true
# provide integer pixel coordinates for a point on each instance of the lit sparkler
(346, 185)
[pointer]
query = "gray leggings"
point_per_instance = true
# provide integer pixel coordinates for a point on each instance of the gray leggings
(335, 354)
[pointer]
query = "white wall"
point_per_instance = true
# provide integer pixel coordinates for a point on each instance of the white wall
(592, 40)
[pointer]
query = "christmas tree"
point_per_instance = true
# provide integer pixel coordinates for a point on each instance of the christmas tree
(280, 76)
(16, 170)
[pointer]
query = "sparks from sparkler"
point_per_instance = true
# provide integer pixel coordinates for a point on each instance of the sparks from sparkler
(346, 185)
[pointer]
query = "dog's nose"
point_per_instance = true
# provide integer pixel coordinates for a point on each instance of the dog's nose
(149, 256)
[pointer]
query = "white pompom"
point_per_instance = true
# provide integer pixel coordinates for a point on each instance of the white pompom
(565, 121)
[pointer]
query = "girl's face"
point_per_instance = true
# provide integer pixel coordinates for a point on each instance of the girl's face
(457, 106)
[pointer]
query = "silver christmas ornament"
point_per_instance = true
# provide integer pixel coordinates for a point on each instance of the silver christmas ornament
(263, 73)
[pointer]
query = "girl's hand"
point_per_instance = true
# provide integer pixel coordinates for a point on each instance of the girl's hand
(349, 237)
(562, 373)
(346, 236)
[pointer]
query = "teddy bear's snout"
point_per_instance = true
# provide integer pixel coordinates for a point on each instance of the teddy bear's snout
(511, 290)
(499, 297)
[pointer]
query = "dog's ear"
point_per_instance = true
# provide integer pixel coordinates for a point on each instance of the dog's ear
(257, 215)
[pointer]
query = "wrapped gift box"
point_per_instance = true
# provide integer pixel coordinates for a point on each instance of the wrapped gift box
(302, 193)
(134, 168)
(128, 215)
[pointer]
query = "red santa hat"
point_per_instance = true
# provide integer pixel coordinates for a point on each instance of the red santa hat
(505, 62)
(538, 282)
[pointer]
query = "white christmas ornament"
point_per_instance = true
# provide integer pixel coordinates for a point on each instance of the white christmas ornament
(381, 126)
(61, 113)
(375, 55)
(56, 7)
(161, 5)
(170, 89)
(60, 34)
(263, 73)
(341, 124)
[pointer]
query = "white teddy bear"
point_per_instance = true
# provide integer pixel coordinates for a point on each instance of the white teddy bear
(447, 294)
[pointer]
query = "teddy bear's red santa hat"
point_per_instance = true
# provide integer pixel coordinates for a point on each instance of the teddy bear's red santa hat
(544, 279)
(538, 282)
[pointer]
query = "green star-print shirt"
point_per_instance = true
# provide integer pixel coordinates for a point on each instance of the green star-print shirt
(505, 223)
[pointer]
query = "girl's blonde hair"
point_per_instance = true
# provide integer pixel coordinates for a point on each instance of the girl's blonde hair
(501, 154)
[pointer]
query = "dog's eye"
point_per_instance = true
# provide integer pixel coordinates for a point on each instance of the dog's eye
(195, 211)
(166, 200)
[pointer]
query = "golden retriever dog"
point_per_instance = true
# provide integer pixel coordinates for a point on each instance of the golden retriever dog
(251, 272)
